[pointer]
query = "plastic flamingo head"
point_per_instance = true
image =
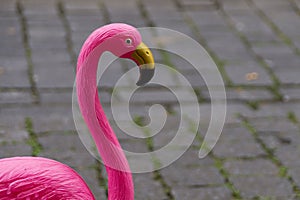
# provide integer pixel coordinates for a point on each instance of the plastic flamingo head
(123, 41)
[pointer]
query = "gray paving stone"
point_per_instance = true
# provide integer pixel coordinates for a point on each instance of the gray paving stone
(147, 188)
(228, 48)
(81, 6)
(14, 97)
(69, 143)
(287, 21)
(7, 5)
(272, 50)
(13, 148)
(244, 94)
(269, 186)
(232, 5)
(239, 74)
(202, 193)
(12, 125)
(249, 22)
(45, 118)
(135, 145)
(290, 93)
(278, 109)
(232, 111)
(254, 167)
(35, 7)
(192, 176)
(273, 124)
(286, 77)
(285, 61)
(54, 76)
(191, 158)
(237, 142)
(206, 19)
(79, 27)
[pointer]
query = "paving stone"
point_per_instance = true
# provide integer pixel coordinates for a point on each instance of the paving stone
(228, 48)
(14, 97)
(290, 93)
(191, 158)
(269, 186)
(286, 77)
(40, 32)
(81, 6)
(55, 76)
(285, 61)
(237, 142)
(232, 111)
(45, 118)
(272, 50)
(69, 143)
(147, 188)
(273, 124)
(192, 176)
(202, 193)
(79, 27)
(239, 74)
(244, 94)
(12, 125)
(287, 21)
(7, 5)
(278, 109)
(206, 19)
(135, 145)
(13, 148)
(232, 5)
(294, 172)
(254, 167)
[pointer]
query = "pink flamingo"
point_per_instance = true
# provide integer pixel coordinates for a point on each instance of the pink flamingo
(41, 178)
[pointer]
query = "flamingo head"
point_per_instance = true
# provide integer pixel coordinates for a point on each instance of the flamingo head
(126, 42)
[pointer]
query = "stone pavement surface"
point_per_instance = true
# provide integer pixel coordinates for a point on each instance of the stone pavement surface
(255, 44)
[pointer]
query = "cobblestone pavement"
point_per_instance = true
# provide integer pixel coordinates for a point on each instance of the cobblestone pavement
(257, 156)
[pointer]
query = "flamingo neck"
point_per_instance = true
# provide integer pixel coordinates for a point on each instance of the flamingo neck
(120, 184)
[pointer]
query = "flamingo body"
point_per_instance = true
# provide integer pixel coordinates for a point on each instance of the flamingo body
(25, 178)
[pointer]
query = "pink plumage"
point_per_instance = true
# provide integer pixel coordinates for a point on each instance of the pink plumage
(40, 178)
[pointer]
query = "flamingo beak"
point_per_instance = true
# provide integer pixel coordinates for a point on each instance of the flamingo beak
(144, 59)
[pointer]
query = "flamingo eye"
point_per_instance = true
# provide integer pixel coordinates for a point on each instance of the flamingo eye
(128, 41)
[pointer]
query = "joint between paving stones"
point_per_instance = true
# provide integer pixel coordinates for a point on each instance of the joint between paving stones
(103, 9)
(283, 37)
(25, 38)
(283, 170)
(276, 82)
(102, 181)
(219, 164)
(295, 6)
(156, 174)
(220, 63)
(68, 33)
(32, 140)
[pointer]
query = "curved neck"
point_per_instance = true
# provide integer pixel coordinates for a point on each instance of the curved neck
(120, 184)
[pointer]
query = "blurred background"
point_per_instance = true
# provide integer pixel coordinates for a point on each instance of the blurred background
(255, 45)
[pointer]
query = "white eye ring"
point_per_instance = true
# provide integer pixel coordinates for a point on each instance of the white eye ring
(128, 41)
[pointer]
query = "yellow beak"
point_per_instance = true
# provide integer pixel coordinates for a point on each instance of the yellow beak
(144, 59)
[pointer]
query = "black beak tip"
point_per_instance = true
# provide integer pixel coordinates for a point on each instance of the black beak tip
(145, 76)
